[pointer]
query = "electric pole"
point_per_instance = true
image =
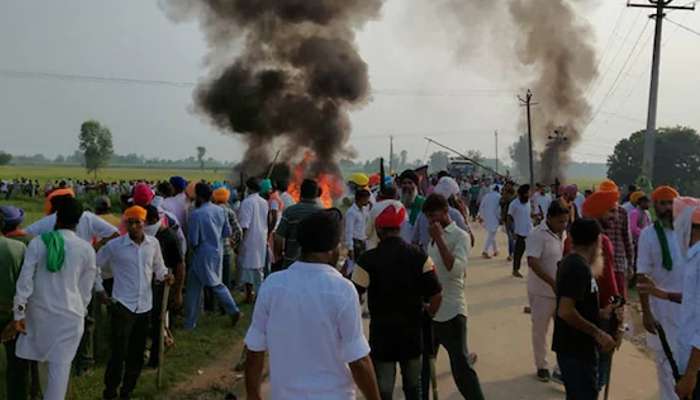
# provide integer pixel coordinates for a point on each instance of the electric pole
(650, 136)
(495, 134)
(391, 154)
(527, 102)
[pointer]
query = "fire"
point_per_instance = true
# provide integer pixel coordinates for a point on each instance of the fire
(331, 186)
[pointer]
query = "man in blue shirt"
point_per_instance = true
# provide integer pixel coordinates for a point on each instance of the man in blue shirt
(207, 225)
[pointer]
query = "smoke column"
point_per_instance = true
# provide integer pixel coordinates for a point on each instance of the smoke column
(546, 42)
(282, 72)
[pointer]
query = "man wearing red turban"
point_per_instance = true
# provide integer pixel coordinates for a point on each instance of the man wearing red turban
(398, 276)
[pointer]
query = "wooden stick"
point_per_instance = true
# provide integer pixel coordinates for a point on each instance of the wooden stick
(161, 336)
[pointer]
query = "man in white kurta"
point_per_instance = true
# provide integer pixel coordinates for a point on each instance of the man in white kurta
(50, 307)
(253, 250)
(670, 279)
(490, 215)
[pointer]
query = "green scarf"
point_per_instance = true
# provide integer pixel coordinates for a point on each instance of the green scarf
(416, 209)
(663, 241)
(55, 250)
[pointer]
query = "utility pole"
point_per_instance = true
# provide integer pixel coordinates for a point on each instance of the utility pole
(650, 136)
(495, 135)
(527, 102)
(391, 154)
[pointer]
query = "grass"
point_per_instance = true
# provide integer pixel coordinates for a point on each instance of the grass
(47, 172)
(193, 350)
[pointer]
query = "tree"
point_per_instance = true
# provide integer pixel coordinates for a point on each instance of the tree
(96, 145)
(521, 159)
(201, 151)
(439, 161)
(676, 161)
(5, 158)
(476, 156)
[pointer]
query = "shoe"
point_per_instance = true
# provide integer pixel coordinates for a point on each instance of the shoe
(517, 274)
(557, 378)
(543, 375)
(235, 318)
(486, 255)
(495, 254)
(510, 258)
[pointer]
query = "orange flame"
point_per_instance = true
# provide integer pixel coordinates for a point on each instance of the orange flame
(331, 186)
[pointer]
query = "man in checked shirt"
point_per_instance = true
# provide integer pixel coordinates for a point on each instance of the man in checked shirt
(617, 229)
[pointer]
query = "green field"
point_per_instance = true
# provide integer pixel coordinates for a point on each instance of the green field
(47, 172)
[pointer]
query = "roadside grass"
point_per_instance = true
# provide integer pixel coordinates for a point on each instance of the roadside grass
(191, 353)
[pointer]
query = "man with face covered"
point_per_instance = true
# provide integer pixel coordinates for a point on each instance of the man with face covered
(411, 200)
(659, 257)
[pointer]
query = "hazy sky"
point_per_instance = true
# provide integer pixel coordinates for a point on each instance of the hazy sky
(420, 87)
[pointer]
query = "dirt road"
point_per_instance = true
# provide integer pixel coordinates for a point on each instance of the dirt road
(499, 332)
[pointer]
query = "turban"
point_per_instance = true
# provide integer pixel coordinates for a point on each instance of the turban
(664, 193)
(216, 185)
(56, 193)
(447, 187)
(374, 180)
(598, 203)
(391, 217)
(142, 195)
(571, 190)
(12, 215)
(359, 179)
(409, 174)
(189, 190)
(608, 186)
(135, 212)
(178, 182)
(636, 196)
(265, 186)
(221, 195)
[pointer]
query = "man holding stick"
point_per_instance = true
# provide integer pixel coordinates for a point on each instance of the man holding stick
(659, 257)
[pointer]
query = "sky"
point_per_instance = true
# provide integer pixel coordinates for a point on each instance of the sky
(420, 87)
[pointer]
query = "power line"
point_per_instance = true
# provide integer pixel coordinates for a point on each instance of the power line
(619, 51)
(185, 84)
(606, 48)
(683, 26)
(617, 78)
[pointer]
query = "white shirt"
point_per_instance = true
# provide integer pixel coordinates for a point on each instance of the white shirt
(548, 247)
(522, 221)
(490, 211)
(287, 199)
(650, 262)
(133, 267)
(355, 225)
(453, 298)
(54, 304)
(89, 227)
(308, 319)
(178, 205)
(689, 328)
(540, 203)
(253, 218)
(580, 198)
(628, 207)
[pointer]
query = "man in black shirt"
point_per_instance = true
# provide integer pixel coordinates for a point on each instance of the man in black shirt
(398, 277)
(577, 335)
(170, 248)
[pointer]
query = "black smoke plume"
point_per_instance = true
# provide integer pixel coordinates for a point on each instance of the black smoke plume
(283, 73)
(545, 46)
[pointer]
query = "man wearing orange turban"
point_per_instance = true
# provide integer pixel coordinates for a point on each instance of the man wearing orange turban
(221, 197)
(660, 258)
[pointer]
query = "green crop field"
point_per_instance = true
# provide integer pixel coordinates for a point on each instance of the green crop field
(47, 172)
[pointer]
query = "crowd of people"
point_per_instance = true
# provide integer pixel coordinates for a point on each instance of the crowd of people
(397, 254)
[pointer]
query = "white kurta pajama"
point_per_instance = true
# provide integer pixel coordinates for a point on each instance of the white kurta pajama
(490, 213)
(650, 262)
(54, 305)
